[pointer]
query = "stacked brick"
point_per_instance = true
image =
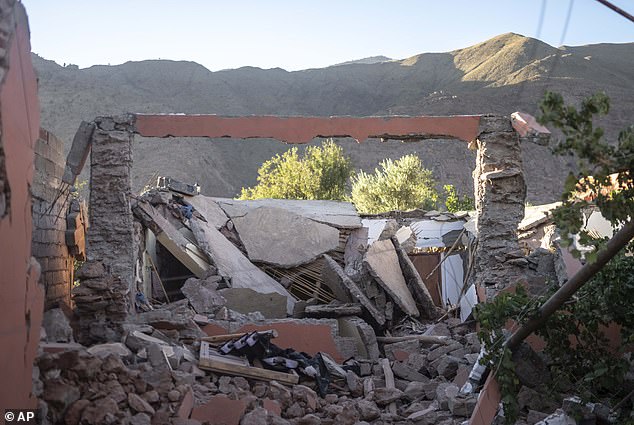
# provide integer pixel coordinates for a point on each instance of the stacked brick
(50, 206)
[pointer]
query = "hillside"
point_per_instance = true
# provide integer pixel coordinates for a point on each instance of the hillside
(507, 73)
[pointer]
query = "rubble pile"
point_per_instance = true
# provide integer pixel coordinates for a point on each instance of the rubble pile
(273, 312)
(153, 376)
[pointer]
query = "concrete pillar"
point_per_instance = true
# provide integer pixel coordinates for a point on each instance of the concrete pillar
(500, 194)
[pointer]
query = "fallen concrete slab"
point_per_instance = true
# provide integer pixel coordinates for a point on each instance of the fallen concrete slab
(415, 283)
(382, 262)
(209, 209)
(334, 274)
(282, 238)
(342, 215)
(246, 300)
(233, 264)
(175, 242)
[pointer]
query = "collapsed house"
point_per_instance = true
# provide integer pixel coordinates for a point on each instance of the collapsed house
(304, 293)
(191, 309)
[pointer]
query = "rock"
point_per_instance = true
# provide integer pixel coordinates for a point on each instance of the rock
(462, 405)
(90, 270)
(349, 415)
(60, 394)
(448, 366)
(368, 410)
(73, 413)
(280, 393)
(354, 384)
(385, 396)
(535, 400)
(174, 396)
(408, 373)
(151, 396)
(401, 350)
(100, 411)
(307, 397)
(415, 390)
(202, 297)
(444, 392)
(295, 411)
(116, 348)
(309, 419)
(57, 326)
(140, 419)
(139, 405)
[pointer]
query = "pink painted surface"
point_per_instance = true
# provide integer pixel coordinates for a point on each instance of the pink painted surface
(220, 410)
(309, 338)
(487, 405)
(21, 297)
(304, 129)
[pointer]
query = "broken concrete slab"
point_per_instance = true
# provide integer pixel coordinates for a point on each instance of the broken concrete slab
(173, 240)
(78, 153)
(209, 209)
(282, 238)
(342, 215)
(246, 300)
(332, 275)
(383, 264)
(233, 264)
(356, 245)
(202, 296)
(338, 279)
(332, 310)
(104, 350)
(415, 283)
(364, 335)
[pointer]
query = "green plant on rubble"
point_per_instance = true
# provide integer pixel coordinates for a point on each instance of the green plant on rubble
(322, 173)
(403, 184)
(576, 345)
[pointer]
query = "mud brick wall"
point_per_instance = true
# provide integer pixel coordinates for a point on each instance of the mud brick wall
(500, 192)
(21, 302)
(50, 206)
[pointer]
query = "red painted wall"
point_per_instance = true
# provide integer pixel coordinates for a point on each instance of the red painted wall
(21, 297)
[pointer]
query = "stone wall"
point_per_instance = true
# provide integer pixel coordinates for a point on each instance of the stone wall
(111, 240)
(50, 206)
(500, 192)
(21, 302)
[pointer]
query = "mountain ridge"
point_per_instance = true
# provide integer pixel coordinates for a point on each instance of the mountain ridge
(501, 75)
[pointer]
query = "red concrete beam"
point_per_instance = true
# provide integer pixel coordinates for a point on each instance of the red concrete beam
(304, 129)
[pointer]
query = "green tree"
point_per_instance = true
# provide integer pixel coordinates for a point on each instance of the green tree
(322, 173)
(398, 185)
(454, 203)
(605, 173)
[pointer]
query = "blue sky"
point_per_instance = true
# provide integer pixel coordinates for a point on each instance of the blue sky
(301, 34)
